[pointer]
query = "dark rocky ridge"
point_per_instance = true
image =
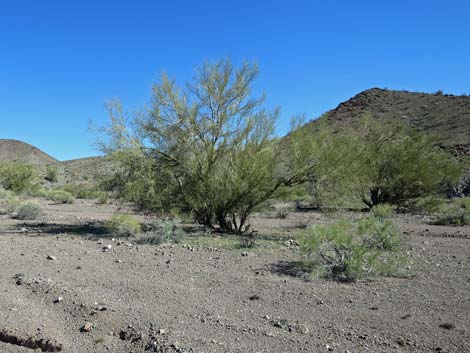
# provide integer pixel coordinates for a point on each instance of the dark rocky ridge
(446, 116)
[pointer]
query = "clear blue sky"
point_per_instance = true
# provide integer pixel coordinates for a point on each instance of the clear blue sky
(61, 60)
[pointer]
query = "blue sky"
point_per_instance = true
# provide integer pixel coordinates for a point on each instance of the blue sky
(61, 60)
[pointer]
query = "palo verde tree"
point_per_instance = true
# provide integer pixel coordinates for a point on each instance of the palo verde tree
(207, 147)
(396, 164)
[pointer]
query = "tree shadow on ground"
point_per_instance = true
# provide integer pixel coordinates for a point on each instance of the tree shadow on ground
(296, 269)
(90, 230)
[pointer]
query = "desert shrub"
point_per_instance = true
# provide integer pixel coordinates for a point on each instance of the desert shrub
(162, 232)
(377, 232)
(346, 251)
(247, 241)
(16, 177)
(103, 198)
(382, 211)
(123, 225)
(463, 203)
(282, 212)
(59, 196)
(5, 194)
(395, 164)
(428, 204)
(82, 191)
(207, 148)
(456, 213)
(454, 217)
(11, 203)
(28, 210)
(51, 174)
(373, 161)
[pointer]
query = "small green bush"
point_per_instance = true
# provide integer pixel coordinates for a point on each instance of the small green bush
(247, 241)
(11, 203)
(103, 198)
(378, 233)
(282, 212)
(346, 251)
(51, 174)
(382, 211)
(28, 210)
(5, 194)
(59, 196)
(428, 205)
(123, 225)
(456, 218)
(16, 177)
(82, 191)
(161, 232)
(455, 213)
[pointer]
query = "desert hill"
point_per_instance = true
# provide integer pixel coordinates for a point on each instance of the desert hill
(22, 152)
(446, 116)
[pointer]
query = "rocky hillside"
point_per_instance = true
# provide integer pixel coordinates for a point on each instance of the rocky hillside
(447, 116)
(22, 152)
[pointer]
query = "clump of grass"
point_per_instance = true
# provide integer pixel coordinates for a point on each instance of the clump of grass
(428, 205)
(51, 174)
(382, 211)
(5, 194)
(457, 213)
(454, 217)
(11, 203)
(59, 196)
(162, 232)
(28, 210)
(103, 198)
(247, 241)
(82, 191)
(123, 225)
(282, 212)
(347, 251)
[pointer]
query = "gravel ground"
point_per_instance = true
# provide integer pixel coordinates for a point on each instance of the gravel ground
(60, 291)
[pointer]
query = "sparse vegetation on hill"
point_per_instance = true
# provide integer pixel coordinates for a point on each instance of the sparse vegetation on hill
(446, 116)
(12, 151)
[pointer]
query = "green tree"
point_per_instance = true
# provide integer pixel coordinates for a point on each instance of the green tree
(208, 148)
(397, 164)
(374, 162)
(16, 177)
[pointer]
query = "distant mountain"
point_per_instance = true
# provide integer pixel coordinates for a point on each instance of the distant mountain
(446, 116)
(22, 152)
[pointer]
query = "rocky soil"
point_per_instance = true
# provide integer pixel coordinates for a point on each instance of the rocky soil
(64, 289)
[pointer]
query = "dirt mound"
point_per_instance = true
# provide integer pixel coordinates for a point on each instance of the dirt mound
(446, 116)
(22, 152)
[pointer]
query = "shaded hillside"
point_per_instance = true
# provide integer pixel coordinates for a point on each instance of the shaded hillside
(22, 152)
(447, 116)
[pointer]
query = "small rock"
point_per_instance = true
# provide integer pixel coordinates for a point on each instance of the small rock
(58, 300)
(87, 327)
(301, 329)
(107, 247)
(50, 257)
(255, 297)
(447, 326)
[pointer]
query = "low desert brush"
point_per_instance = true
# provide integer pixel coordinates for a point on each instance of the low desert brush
(162, 232)
(346, 250)
(28, 211)
(123, 225)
